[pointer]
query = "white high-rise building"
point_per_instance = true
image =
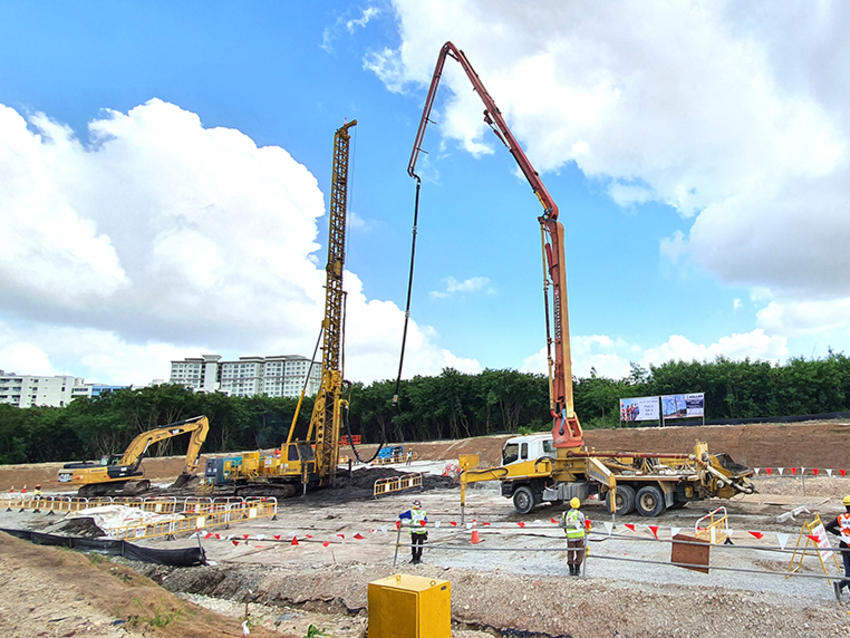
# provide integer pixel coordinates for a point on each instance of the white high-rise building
(24, 390)
(201, 374)
(274, 376)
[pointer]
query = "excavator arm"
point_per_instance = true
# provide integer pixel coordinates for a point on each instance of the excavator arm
(566, 430)
(198, 426)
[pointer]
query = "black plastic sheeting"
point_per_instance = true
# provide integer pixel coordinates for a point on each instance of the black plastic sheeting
(188, 557)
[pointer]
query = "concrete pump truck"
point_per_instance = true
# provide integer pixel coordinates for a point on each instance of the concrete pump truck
(558, 466)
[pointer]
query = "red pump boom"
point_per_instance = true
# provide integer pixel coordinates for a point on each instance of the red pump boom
(566, 430)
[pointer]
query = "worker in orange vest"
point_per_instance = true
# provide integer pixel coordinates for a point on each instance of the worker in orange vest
(841, 527)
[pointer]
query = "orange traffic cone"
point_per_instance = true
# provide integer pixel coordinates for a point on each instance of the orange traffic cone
(475, 538)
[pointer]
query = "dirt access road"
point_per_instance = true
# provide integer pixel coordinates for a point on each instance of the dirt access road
(514, 583)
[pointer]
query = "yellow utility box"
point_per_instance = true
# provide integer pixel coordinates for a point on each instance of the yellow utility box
(405, 606)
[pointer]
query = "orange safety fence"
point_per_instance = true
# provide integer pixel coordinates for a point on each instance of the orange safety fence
(397, 483)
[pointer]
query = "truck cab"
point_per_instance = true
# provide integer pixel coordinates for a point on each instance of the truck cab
(527, 448)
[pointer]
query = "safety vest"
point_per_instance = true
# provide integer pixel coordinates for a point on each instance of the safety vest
(573, 524)
(417, 521)
(844, 527)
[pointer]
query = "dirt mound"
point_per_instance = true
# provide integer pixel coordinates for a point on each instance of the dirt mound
(88, 594)
(84, 527)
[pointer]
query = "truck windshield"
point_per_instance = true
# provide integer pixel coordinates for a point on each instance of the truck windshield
(510, 453)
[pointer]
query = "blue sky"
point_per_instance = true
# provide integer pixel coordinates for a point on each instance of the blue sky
(167, 166)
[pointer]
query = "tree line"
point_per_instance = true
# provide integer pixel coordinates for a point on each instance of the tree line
(450, 405)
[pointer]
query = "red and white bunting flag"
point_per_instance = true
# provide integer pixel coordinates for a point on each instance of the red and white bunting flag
(554, 521)
(359, 536)
(217, 537)
(794, 471)
(277, 537)
(782, 539)
(342, 536)
(756, 471)
(521, 523)
(768, 471)
(815, 471)
(843, 472)
(609, 527)
(654, 530)
(674, 531)
(326, 543)
(208, 535)
(779, 469)
(294, 540)
(485, 523)
(245, 536)
(308, 536)
(630, 526)
(758, 535)
(235, 543)
(436, 523)
(829, 473)
(453, 523)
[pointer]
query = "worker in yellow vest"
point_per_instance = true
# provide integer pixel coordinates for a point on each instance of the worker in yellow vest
(841, 526)
(573, 522)
(416, 518)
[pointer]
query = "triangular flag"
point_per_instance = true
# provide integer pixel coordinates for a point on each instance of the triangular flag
(277, 537)
(609, 526)
(829, 473)
(397, 524)
(235, 543)
(342, 536)
(326, 543)
(654, 530)
(758, 535)
(521, 523)
(630, 526)
(359, 536)
(437, 524)
(674, 531)
(794, 470)
(779, 469)
(294, 540)
(469, 526)
(757, 471)
(453, 523)
(308, 536)
(783, 539)
(554, 521)
(729, 532)
(384, 529)
(217, 537)
(587, 524)
(768, 471)
(208, 535)
(485, 523)
(815, 471)
(843, 472)
(372, 531)
(245, 536)
(260, 537)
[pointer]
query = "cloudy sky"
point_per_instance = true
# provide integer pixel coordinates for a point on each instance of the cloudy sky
(165, 170)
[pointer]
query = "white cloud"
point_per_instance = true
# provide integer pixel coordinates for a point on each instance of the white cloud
(736, 304)
(366, 15)
(612, 358)
(473, 284)
(158, 238)
(734, 116)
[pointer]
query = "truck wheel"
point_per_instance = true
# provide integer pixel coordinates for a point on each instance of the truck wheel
(625, 500)
(650, 501)
(523, 500)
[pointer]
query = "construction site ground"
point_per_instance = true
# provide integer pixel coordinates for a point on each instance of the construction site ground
(515, 582)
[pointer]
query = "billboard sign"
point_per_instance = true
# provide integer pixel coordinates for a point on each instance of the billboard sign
(639, 409)
(683, 406)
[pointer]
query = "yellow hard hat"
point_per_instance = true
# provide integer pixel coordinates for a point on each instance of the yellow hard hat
(846, 500)
(575, 503)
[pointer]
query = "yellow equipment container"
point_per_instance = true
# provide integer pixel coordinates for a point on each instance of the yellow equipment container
(405, 606)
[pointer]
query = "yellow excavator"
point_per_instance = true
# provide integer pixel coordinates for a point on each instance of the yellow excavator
(122, 473)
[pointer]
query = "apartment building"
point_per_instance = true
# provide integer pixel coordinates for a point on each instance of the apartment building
(201, 374)
(274, 376)
(24, 390)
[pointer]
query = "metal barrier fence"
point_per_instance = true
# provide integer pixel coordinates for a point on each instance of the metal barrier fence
(717, 530)
(223, 514)
(397, 483)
